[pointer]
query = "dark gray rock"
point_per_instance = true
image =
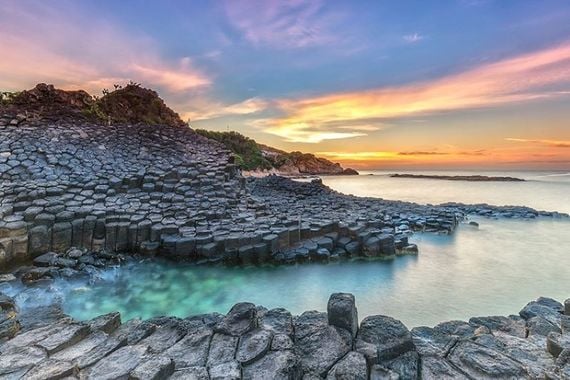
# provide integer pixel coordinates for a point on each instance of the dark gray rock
(510, 325)
(225, 371)
(241, 318)
(351, 366)
(546, 308)
(191, 373)
(222, 348)
(481, 362)
(342, 312)
(278, 320)
(437, 368)
(154, 368)
(52, 369)
(383, 338)
(117, 365)
(192, 350)
(253, 345)
(431, 342)
(98, 352)
(276, 365)
(16, 361)
(107, 322)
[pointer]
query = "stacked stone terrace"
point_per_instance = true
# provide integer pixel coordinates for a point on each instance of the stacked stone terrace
(164, 189)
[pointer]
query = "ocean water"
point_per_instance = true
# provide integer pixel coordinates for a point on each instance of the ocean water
(491, 270)
(543, 190)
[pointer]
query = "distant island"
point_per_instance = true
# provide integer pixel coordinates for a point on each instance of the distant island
(258, 159)
(473, 178)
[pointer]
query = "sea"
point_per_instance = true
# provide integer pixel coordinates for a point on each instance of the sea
(494, 269)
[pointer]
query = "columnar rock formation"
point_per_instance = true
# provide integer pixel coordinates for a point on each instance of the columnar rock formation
(251, 342)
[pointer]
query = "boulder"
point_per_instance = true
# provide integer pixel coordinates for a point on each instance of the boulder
(277, 320)
(546, 308)
(437, 368)
(431, 342)
(241, 318)
(16, 361)
(383, 338)
(107, 322)
(342, 312)
(52, 369)
(510, 325)
(192, 350)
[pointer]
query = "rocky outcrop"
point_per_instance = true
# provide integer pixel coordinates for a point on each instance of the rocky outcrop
(254, 343)
(471, 178)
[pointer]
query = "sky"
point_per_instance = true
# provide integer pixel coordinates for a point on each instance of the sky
(458, 84)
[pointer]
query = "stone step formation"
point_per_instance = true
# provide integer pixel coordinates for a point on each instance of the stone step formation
(252, 342)
(159, 189)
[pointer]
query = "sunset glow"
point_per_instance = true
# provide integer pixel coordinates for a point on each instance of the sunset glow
(371, 85)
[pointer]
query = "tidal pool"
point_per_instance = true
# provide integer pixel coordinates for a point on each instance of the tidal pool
(493, 270)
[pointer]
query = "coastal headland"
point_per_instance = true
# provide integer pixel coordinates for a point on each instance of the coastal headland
(86, 183)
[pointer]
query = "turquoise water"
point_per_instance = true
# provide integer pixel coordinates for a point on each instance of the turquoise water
(493, 270)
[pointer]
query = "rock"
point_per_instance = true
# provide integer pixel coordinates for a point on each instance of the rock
(431, 342)
(16, 361)
(155, 368)
(225, 371)
(546, 308)
(437, 368)
(166, 335)
(556, 343)
(342, 312)
(406, 365)
(241, 318)
(192, 350)
(513, 326)
(67, 335)
(133, 331)
(107, 323)
(7, 277)
(319, 346)
(73, 352)
(377, 372)
(541, 326)
(253, 345)
(98, 352)
(222, 349)
(45, 260)
(117, 365)
(276, 365)
(52, 369)
(567, 307)
(383, 338)
(278, 320)
(351, 366)
(281, 342)
(481, 362)
(191, 373)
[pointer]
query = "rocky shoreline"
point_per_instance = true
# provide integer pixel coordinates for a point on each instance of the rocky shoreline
(252, 342)
(472, 178)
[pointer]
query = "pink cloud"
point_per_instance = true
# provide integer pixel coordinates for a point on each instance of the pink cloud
(48, 42)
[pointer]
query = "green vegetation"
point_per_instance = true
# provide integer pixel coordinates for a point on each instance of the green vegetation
(248, 153)
(6, 97)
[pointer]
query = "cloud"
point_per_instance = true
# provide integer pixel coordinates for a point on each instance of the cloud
(520, 79)
(55, 42)
(413, 38)
(215, 109)
(548, 143)
(277, 23)
(421, 153)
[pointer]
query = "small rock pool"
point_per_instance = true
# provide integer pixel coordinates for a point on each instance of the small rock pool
(492, 270)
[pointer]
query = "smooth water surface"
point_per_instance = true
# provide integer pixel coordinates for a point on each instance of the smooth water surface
(548, 191)
(488, 271)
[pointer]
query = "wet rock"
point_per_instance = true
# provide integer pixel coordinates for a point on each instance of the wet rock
(241, 318)
(253, 345)
(351, 366)
(383, 338)
(277, 365)
(341, 310)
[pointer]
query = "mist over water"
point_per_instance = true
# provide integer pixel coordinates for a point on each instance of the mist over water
(492, 270)
(542, 190)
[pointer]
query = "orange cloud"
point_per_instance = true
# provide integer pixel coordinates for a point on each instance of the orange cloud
(41, 42)
(549, 143)
(519, 79)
